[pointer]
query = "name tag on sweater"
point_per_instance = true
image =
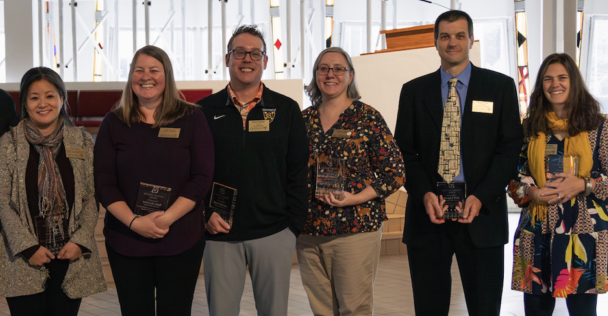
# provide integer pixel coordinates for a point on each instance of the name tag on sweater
(74, 152)
(166, 132)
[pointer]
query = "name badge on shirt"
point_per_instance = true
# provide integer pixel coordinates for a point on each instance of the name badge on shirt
(166, 132)
(342, 133)
(74, 152)
(483, 107)
(259, 126)
(550, 149)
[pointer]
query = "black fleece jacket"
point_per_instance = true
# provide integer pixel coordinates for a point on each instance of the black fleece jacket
(268, 169)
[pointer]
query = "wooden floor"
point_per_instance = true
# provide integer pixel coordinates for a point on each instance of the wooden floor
(393, 293)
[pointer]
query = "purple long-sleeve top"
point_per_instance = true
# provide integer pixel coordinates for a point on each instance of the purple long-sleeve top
(126, 156)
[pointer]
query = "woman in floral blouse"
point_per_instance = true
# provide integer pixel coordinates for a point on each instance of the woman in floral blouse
(561, 242)
(339, 248)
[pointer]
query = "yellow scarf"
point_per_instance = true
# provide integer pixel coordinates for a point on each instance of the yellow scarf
(574, 145)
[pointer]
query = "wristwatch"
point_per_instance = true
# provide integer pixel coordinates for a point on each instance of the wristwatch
(588, 186)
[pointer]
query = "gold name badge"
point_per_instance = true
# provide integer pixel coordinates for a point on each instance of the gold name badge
(483, 107)
(259, 126)
(74, 152)
(342, 133)
(166, 132)
(551, 149)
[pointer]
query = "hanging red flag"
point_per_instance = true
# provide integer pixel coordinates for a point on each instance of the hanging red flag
(277, 44)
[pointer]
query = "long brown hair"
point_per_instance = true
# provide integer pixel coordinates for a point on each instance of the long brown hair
(582, 109)
(173, 105)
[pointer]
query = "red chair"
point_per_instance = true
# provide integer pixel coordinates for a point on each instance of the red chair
(93, 105)
(195, 95)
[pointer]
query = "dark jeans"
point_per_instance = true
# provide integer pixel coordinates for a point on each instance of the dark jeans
(543, 305)
(173, 278)
(51, 302)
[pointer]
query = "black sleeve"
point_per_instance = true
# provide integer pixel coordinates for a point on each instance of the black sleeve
(417, 183)
(506, 155)
(297, 172)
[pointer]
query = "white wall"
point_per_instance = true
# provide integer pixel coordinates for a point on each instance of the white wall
(19, 27)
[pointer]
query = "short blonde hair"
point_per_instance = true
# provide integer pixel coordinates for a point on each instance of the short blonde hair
(173, 105)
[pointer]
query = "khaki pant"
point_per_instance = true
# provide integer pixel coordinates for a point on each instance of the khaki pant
(338, 273)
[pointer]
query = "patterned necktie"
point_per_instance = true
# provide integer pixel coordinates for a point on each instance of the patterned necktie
(449, 152)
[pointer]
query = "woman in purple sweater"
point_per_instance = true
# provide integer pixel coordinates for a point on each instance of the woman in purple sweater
(153, 168)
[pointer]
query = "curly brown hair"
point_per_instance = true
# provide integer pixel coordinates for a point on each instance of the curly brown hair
(582, 109)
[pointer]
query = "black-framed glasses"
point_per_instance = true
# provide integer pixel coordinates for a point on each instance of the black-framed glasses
(255, 55)
(338, 71)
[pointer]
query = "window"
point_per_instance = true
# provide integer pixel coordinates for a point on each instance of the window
(492, 36)
(354, 37)
(597, 68)
(279, 72)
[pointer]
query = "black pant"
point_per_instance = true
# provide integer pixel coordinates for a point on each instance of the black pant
(173, 277)
(51, 302)
(481, 271)
(543, 305)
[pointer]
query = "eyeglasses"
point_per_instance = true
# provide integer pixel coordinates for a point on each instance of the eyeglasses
(240, 54)
(338, 71)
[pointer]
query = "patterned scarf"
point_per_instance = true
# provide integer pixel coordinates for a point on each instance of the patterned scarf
(51, 193)
(573, 145)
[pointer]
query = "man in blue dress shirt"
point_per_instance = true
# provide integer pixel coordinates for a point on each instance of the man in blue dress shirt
(477, 142)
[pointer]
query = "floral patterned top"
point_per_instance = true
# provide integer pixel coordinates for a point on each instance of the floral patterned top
(567, 252)
(371, 158)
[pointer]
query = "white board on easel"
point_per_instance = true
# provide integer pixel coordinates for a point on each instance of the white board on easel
(381, 76)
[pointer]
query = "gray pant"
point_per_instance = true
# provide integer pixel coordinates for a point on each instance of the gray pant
(269, 260)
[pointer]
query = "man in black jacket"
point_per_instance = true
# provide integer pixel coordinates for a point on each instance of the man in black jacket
(261, 151)
(8, 113)
(477, 142)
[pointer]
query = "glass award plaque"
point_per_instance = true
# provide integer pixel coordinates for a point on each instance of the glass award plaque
(330, 178)
(223, 201)
(52, 231)
(151, 198)
(561, 164)
(452, 193)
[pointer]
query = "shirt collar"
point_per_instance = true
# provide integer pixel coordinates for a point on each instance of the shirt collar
(233, 97)
(464, 77)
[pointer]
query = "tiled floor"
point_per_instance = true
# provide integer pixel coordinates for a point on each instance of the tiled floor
(393, 294)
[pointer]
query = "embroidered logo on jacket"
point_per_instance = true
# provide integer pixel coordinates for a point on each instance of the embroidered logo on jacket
(269, 114)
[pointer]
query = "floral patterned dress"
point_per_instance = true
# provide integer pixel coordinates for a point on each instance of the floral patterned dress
(567, 252)
(371, 158)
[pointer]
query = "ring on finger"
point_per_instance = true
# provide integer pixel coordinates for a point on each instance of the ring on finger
(559, 197)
